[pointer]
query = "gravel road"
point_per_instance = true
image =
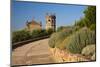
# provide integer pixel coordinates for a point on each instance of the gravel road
(32, 53)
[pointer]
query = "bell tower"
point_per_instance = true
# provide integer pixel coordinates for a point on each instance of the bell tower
(50, 22)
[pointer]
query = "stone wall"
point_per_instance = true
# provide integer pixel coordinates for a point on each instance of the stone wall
(62, 56)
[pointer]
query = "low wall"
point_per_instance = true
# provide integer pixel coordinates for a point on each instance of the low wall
(62, 56)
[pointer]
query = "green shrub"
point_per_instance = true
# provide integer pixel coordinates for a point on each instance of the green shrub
(43, 33)
(20, 36)
(39, 33)
(93, 27)
(52, 40)
(65, 28)
(23, 35)
(60, 38)
(64, 43)
(78, 40)
(89, 50)
(57, 38)
(35, 33)
(60, 29)
(50, 31)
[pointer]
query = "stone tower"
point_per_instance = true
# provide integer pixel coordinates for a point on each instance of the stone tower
(51, 22)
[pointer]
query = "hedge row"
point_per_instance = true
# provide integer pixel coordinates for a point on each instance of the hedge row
(23, 35)
(78, 40)
(57, 38)
(73, 42)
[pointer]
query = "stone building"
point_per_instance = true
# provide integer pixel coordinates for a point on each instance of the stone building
(33, 25)
(51, 22)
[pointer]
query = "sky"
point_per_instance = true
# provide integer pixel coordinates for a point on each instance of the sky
(66, 14)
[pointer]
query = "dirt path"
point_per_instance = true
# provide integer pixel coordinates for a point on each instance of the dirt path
(33, 53)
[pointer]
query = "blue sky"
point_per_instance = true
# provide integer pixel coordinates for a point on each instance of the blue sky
(23, 11)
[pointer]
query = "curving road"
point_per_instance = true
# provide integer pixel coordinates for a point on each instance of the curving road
(32, 53)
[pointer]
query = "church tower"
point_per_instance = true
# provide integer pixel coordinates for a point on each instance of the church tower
(51, 22)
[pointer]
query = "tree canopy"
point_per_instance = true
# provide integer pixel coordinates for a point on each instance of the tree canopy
(89, 19)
